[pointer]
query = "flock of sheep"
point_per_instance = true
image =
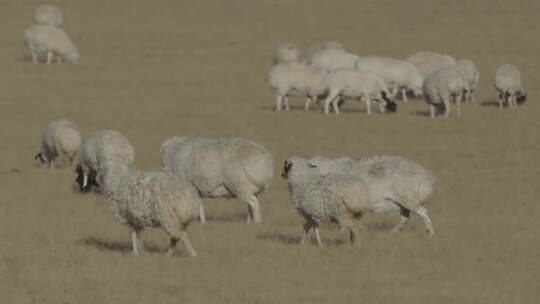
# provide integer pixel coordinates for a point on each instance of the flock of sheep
(329, 72)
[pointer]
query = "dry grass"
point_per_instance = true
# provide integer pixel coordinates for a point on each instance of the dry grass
(154, 69)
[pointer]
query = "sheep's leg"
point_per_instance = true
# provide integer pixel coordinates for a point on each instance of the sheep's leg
(318, 235)
(500, 99)
(279, 101)
(254, 210)
(51, 164)
(381, 107)
(187, 244)
(368, 103)
(34, 57)
(58, 58)
(458, 107)
(85, 181)
(308, 102)
(432, 110)
(307, 226)
(352, 236)
(135, 241)
(513, 101)
(335, 104)
(328, 100)
(49, 57)
(286, 103)
(172, 246)
(404, 95)
(447, 108)
(423, 213)
(471, 96)
(404, 217)
(202, 216)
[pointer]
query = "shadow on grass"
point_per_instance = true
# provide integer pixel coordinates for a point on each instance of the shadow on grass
(295, 240)
(234, 217)
(490, 103)
(114, 246)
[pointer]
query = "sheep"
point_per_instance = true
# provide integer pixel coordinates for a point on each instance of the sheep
(471, 75)
(339, 198)
(507, 82)
(394, 183)
(286, 52)
(322, 46)
(49, 14)
(440, 86)
(96, 150)
(332, 59)
(296, 79)
(398, 74)
(61, 139)
(49, 39)
(428, 62)
(142, 199)
(221, 167)
(363, 85)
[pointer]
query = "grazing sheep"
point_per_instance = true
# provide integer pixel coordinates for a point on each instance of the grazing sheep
(49, 39)
(295, 79)
(49, 14)
(428, 62)
(287, 52)
(96, 150)
(394, 183)
(322, 46)
(363, 85)
(149, 199)
(61, 139)
(440, 86)
(333, 59)
(221, 167)
(398, 74)
(507, 82)
(336, 198)
(471, 75)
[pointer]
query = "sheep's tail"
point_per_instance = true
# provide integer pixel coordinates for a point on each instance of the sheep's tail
(426, 190)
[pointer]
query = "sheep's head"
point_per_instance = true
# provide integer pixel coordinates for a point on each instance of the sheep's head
(295, 167)
(521, 97)
(42, 158)
(390, 105)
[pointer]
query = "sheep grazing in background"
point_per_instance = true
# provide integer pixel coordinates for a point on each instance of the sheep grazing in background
(395, 184)
(96, 150)
(221, 167)
(286, 52)
(440, 86)
(149, 199)
(427, 62)
(363, 85)
(296, 79)
(470, 75)
(333, 59)
(320, 47)
(507, 82)
(398, 74)
(49, 14)
(336, 198)
(51, 40)
(61, 139)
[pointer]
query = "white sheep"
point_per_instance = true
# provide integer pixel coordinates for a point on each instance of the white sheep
(471, 75)
(398, 74)
(286, 52)
(296, 79)
(141, 199)
(98, 148)
(337, 198)
(49, 39)
(332, 59)
(440, 86)
(61, 139)
(428, 62)
(507, 82)
(320, 47)
(363, 85)
(221, 167)
(394, 183)
(49, 14)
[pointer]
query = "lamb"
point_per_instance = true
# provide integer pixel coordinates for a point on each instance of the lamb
(471, 75)
(507, 82)
(394, 183)
(49, 39)
(322, 46)
(221, 167)
(286, 52)
(440, 86)
(428, 62)
(61, 139)
(49, 14)
(141, 199)
(296, 79)
(398, 74)
(363, 85)
(96, 150)
(333, 59)
(338, 198)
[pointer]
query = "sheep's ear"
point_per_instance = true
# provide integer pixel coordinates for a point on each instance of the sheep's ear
(287, 166)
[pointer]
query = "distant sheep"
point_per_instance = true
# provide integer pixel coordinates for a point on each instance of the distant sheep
(337, 198)
(287, 52)
(96, 150)
(61, 139)
(428, 62)
(395, 184)
(149, 199)
(507, 82)
(52, 41)
(221, 167)
(471, 76)
(440, 86)
(49, 14)
(332, 59)
(322, 46)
